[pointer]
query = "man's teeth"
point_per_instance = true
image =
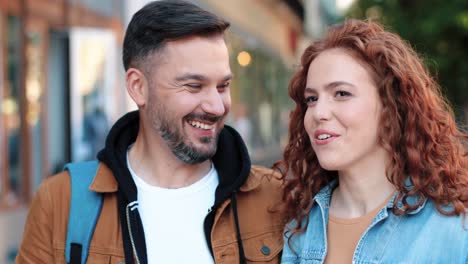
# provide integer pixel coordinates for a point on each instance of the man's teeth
(201, 125)
(324, 136)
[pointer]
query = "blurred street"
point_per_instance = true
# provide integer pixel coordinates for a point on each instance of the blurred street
(62, 83)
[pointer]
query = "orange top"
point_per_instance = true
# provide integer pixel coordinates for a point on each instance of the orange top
(343, 235)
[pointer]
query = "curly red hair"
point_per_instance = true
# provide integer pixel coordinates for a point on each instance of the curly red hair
(417, 127)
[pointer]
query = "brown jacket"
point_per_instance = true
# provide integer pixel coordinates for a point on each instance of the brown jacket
(260, 223)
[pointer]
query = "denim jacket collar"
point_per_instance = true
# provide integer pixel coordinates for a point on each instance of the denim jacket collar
(323, 197)
(389, 238)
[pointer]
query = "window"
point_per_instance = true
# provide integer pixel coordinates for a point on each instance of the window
(260, 104)
(11, 112)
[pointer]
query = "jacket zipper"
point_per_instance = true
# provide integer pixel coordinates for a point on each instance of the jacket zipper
(130, 229)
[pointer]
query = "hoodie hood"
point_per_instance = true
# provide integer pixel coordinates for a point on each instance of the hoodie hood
(231, 161)
(114, 154)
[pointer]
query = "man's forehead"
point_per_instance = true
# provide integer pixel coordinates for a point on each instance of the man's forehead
(193, 43)
(192, 56)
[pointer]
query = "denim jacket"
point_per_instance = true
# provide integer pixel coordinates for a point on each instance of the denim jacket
(422, 236)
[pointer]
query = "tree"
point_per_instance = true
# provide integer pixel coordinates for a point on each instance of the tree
(438, 30)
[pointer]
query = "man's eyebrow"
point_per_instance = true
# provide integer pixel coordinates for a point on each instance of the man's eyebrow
(228, 77)
(198, 77)
(190, 76)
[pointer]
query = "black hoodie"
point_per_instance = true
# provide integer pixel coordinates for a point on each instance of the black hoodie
(231, 161)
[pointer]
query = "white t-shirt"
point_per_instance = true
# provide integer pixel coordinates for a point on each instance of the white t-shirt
(173, 219)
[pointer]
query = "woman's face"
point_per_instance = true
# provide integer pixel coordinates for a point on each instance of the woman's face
(343, 110)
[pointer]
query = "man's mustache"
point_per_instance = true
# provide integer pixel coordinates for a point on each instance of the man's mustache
(204, 117)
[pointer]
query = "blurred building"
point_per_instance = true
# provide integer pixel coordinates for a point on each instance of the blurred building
(58, 61)
(62, 86)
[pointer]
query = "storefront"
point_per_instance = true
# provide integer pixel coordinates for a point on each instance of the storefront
(260, 98)
(41, 68)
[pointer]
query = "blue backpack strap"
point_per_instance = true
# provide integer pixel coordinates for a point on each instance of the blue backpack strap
(85, 207)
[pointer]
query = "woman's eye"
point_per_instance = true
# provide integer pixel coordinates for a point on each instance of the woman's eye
(342, 93)
(311, 99)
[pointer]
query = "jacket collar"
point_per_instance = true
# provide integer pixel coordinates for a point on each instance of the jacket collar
(411, 200)
(323, 197)
(104, 181)
(250, 184)
(255, 178)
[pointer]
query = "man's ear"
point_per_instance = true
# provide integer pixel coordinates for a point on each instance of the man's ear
(137, 86)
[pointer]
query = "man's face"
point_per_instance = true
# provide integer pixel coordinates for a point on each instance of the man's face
(189, 96)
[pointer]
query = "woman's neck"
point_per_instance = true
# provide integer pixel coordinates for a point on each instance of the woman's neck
(361, 189)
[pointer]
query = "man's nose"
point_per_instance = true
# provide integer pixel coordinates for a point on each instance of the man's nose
(213, 102)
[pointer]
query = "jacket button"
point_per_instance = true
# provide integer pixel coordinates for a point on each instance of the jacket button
(265, 250)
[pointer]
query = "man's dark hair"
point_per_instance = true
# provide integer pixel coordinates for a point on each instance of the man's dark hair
(165, 20)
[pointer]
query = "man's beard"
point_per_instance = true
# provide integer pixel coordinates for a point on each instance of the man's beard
(176, 141)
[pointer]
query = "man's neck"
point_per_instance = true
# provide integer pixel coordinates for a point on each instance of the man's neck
(155, 163)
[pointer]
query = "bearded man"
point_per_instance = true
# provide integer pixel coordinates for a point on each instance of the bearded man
(177, 184)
